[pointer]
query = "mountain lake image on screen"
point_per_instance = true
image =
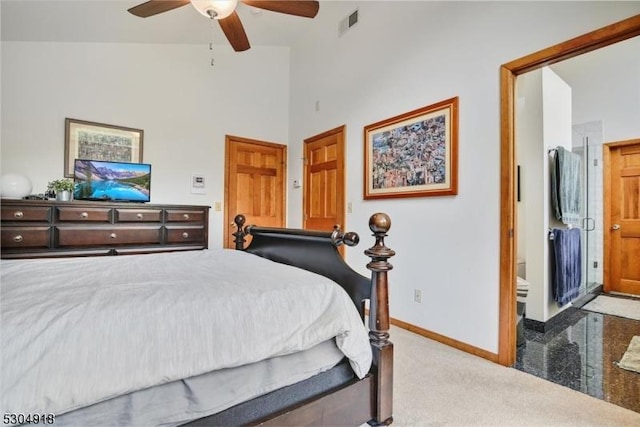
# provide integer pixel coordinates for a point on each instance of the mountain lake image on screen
(112, 181)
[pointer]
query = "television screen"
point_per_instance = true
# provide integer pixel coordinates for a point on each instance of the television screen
(113, 181)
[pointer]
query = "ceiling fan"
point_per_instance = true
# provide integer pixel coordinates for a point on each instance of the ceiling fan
(224, 11)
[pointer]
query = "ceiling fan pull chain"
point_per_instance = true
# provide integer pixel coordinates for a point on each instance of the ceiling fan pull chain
(211, 44)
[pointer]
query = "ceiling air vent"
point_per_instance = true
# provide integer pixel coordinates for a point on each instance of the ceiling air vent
(348, 22)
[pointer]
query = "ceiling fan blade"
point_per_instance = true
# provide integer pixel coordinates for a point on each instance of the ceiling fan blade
(233, 29)
(154, 7)
(305, 8)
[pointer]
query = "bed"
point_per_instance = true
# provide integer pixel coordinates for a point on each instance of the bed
(289, 346)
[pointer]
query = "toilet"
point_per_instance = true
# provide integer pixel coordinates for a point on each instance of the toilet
(522, 289)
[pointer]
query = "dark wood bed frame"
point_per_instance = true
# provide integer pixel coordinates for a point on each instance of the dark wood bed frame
(333, 398)
(317, 402)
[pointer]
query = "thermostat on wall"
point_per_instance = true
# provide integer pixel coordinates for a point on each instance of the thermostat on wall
(198, 184)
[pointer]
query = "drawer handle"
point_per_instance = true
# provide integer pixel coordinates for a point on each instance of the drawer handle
(139, 216)
(113, 235)
(84, 215)
(185, 235)
(18, 238)
(18, 214)
(185, 216)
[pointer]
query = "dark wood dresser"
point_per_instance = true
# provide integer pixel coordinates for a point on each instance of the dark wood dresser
(38, 229)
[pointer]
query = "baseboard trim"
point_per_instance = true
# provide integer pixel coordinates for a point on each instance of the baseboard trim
(561, 317)
(467, 348)
(459, 345)
(550, 324)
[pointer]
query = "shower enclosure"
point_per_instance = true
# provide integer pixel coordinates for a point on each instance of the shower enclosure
(587, 140)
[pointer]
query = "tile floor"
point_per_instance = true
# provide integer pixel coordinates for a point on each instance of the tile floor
(581, 353)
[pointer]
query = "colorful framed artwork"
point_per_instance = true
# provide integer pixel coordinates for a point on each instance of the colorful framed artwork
(414, 154)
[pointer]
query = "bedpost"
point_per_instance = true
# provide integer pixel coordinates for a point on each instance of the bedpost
(239, 234)
(379, 224)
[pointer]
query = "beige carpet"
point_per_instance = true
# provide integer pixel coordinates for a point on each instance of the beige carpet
(617, 306)
(436, 385)
(631, 358)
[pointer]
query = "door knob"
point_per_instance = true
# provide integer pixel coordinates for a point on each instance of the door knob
(615, 227)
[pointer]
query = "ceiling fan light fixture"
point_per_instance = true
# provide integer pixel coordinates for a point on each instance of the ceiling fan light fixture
(216, 9)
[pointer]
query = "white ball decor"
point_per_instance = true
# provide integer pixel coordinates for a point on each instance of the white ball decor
(14, 186)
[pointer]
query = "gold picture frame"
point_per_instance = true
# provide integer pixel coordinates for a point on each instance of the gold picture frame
(414, 154)
(99, 141)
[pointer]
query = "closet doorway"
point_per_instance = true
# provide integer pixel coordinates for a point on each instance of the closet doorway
(254, 186)
(324, 180)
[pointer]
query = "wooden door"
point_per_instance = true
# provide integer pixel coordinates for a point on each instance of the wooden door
(255, 179)
(622, 217)
(323, 197)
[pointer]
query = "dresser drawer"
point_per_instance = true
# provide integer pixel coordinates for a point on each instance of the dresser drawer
(184, 215)
(138, 215)
(26, 237)
(108, 236)
(26, 213)
(88, 214)
(185, 234)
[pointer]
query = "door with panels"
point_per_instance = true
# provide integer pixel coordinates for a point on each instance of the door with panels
(255, 177)
(324, 176)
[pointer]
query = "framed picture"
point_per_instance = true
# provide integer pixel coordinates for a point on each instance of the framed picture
(97, 141)
(414, 154)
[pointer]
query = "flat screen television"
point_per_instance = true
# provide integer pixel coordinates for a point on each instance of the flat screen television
(112, 181)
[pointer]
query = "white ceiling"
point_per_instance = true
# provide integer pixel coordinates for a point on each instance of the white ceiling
(109, 22)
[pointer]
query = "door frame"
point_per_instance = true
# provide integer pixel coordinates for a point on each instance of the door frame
(228, 221)
(588, 42)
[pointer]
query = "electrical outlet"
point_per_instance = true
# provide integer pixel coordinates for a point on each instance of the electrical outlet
(417, 295)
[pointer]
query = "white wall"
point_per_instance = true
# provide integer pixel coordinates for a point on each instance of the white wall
(598, 93)
(532, 211)
(184, 106)
(544, 121)
(556, 132)
(402, 56)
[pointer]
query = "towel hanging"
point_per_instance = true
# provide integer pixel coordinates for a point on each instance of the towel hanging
(566, 194)
(566, 264)
(550, 231)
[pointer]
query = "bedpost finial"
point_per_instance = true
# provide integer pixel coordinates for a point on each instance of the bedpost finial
(240, 233)
(339, 238)
(239, 221)
(351, 238)
(380, 222)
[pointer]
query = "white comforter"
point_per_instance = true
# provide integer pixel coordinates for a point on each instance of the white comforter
(82, 330)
